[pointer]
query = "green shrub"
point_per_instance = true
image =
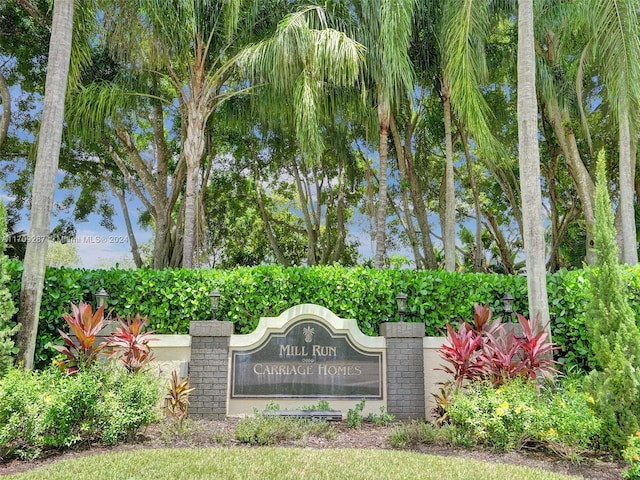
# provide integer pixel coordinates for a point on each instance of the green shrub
(354, 415)
(516, 414)
(271, 429)
(615, 381)
(173, 297)
(47, 409)
(414, 433)
(631, 455)
(8, 326)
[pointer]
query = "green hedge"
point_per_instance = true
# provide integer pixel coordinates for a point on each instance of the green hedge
(172, 298)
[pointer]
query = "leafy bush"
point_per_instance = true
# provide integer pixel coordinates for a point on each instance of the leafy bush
(8, 326)
(85, 326)
(615, 381)
(631, 455)
(270, 429)
(130, 343)
(354, 415)
(414, 433)
(493, 351)
(517, 414)
(173, 297)
(177, 399)
(48, 409)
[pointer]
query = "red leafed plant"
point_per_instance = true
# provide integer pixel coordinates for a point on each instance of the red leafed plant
(535, 351)
(85, 325)
(177, 400)
(501, 356)
(462, 355)
(131, 344)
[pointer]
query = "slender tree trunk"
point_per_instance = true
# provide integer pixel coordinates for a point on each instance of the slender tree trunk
(560, 122)
(627, 178)
(308, 221)
(478, 257)
(381, 214)
(529, 161)
(44, 180)
(341, 231)
(193, 151)
(5, 118)
(449, 227)
(135, 252)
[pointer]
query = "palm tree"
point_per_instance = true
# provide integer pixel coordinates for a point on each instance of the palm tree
(44, 183)
(614, 26)
(386, 32)
(529, 161)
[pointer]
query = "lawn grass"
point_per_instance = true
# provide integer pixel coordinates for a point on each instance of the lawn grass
(276, 463)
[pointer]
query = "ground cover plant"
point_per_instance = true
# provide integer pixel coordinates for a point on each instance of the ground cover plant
(282, 464)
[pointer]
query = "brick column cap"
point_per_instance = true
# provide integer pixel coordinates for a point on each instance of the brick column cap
(402, 330)
(210, 328)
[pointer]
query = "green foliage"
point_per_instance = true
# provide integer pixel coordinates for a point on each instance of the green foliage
(354, 415)
(8, 327)
(322, 405)
(411, 434)
(81, 351)
(47, 409)
(517, 414)
(271, 429)
(173, 297)
(131, 343)
(381, 419)
(177, 398)
(631, 455)
(615, 381)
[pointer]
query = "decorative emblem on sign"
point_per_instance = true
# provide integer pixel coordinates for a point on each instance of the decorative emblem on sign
(308, 334)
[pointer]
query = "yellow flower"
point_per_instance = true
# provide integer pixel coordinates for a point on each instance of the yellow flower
(499, 391)
(47, 399)
(519, 409)
(637, 434)
(500, 411)
(505, 405)
(635, 457)
(552, 431)
(562, 404)
(592, 401)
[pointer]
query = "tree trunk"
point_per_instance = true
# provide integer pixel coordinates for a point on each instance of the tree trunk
(585, 187)
(627, 178)
(308, 221)
(5, 118)
(193, 150)
(449, 227)
(529, 161)
(381, 213)
(135, 252)
(478, 256)
(44, 180)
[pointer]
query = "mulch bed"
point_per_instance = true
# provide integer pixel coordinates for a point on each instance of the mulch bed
(201, 434)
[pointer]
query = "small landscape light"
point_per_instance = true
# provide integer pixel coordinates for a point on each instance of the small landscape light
(401, 299)
(215, 303)
(101, 297)
(507, 300)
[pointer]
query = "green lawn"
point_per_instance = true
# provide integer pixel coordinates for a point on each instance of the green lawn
(279, 464)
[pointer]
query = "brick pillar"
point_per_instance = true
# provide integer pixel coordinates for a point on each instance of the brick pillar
(208, 368)
(405, 369)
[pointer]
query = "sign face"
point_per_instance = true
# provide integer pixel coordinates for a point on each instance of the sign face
(309, 359)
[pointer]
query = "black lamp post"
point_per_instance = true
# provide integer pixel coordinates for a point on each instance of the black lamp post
(507, 300)
(401, 299)
(101, 297)
(215, 302)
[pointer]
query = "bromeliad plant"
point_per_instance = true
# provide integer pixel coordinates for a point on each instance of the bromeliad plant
(131, 344)
(85, 325)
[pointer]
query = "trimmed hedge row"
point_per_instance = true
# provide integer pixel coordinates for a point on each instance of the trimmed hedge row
(171, 298)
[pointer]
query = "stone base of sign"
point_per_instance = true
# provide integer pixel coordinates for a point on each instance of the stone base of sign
(405, 369)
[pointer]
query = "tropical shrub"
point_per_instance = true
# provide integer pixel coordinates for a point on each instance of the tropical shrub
(8, 326)
(518, 413)
(85, 326)
(270, 429)
(130, 343)
(173, 297)
(631, 455)
(493, 351)
(50, 410)
(177, 398)
(615, 381)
